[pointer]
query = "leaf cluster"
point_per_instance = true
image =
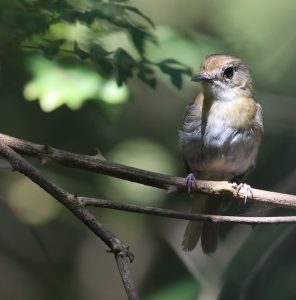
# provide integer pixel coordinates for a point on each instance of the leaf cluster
(27, 24)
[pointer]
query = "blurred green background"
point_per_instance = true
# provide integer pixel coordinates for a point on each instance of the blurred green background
(66, 96)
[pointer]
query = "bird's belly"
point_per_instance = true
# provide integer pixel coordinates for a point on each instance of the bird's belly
(221, 152)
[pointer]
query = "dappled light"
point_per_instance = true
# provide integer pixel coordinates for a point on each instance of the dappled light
(55, 85)
(139, 153)
(114, 78)
(30, 204)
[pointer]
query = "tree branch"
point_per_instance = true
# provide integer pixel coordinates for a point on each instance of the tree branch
(169, 213)
(170, 183)
(9, 146)
(117, 247)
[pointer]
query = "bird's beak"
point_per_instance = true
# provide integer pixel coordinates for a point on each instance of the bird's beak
(202, 76)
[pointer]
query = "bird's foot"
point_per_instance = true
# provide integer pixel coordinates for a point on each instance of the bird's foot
(246, 189)
(190, 182)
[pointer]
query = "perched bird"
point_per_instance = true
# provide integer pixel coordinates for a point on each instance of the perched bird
(220, 136)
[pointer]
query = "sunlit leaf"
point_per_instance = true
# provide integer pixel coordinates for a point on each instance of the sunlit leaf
(111, 93)
(75, 30)
(55, 85)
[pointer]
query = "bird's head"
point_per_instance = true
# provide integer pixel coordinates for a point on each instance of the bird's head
(225, 76)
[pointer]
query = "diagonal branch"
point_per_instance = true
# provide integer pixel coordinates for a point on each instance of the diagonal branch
(170, 183)
(117, 247)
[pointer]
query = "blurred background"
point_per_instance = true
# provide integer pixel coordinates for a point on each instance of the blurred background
(68, 98)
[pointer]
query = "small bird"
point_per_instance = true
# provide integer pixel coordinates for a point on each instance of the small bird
(220, 136)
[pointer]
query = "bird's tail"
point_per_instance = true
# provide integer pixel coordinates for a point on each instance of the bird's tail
(208, 232)
(194, 228)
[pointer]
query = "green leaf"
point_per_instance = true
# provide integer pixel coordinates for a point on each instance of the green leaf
(80, 53)
(116, 15)
(139, 13)
(52, 47)
(99, 50)
(100, 57)
(146, 74)
(170, 61)
(175, 70)
(124, 64)
(55, 85)
(105, 66)
(139, 36)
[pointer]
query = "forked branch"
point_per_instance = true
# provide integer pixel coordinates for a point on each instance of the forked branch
(11, 148)
(117, 247)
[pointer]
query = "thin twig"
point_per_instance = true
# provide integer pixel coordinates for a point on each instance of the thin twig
(169, 213)
(125, 274)
(170, 183)
(120, 250)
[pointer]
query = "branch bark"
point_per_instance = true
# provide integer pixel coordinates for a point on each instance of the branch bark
(170, 183)
(11, 148)
(169, 213)
(117, 247)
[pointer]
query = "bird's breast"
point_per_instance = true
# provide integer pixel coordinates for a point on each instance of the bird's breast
(223, 144)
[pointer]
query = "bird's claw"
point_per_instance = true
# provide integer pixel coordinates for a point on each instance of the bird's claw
(246, 189)
(190, 182)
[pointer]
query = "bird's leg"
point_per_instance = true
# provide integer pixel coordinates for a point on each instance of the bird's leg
(239, 185)
(190, 182)
(246, 189)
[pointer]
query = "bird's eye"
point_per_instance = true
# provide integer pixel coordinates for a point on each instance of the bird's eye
(228, 72)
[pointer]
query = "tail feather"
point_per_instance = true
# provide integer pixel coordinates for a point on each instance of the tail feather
(209, 238)
(194, 229)
(208, 232)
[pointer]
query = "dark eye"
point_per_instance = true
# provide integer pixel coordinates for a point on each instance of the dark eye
(228, 72)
